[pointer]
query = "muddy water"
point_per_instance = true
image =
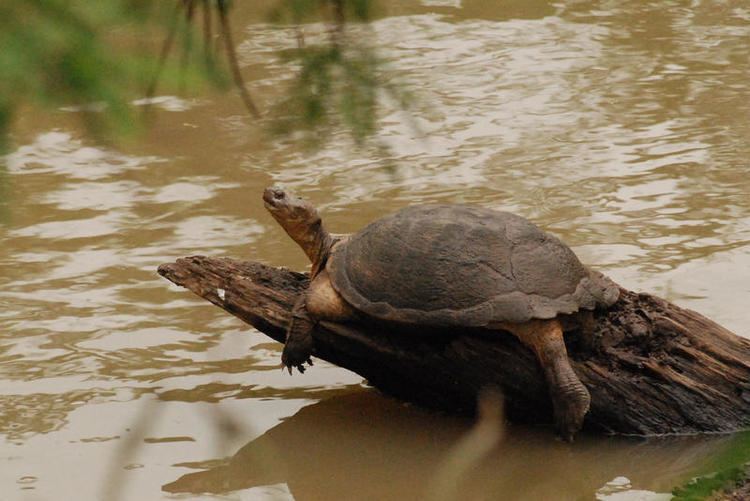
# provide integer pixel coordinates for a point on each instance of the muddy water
(622, 128)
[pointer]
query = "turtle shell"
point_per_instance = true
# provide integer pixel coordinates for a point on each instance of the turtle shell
(457, 265)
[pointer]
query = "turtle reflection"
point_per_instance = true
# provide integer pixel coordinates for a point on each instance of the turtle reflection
(366, 446)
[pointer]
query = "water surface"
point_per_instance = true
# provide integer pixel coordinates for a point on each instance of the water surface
(623, 128)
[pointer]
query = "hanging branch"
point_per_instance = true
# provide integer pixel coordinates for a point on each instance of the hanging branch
(207, 29)
(185, 59)
(166, 48)
(339, 21)
(232, 59)
(226, 34)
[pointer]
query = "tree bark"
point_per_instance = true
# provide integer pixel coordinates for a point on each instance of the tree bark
(651, 367)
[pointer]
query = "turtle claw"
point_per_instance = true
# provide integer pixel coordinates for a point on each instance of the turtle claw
(285, 365)
(296, 354)
(570, 412)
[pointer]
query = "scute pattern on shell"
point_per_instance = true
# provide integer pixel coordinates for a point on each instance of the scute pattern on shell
(457, 265)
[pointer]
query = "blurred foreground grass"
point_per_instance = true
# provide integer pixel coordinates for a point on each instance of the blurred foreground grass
(97, 57)
(92, 57)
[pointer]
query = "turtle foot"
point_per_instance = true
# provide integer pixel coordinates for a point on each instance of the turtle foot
(299, 341)
(570, 410)
(297, 353)
(570, 398)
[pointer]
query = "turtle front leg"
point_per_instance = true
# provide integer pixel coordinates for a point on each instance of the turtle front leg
(299, 340)
(570, 398)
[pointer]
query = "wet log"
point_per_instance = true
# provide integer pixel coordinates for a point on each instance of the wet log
(651, 367)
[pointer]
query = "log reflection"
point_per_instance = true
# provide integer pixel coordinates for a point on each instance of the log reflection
(366, 446)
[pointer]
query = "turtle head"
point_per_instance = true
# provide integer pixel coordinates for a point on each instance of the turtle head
(300, 220)
(290, 211)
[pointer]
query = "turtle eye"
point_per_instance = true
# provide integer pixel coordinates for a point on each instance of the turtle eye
(274, 196)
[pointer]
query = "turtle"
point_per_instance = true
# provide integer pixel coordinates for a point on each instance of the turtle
(446, 266)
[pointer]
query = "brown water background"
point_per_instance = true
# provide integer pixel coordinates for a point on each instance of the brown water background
(622, 127)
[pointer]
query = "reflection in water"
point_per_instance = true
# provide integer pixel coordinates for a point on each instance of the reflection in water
(365, 446)
(623, 128)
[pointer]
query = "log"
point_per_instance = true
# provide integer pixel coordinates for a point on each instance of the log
(651, 367)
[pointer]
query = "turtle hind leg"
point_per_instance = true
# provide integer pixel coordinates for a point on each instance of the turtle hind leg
(570, 398)
(299, 341)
